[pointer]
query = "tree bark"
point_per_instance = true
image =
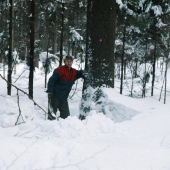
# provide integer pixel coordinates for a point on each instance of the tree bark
(10, 48)
(100, 42)
(125, 69)
(122, 60)
(144, 79)
(153, 73)
(136, 68)
(100, 39)
(32, 40)
(62, 33)
(46, 64)
(114, 72)
(166, 77)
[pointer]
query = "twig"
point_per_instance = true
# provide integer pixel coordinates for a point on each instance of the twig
(26, 94)
(19, 109)
(161, 90)
(20, 76)
(12, 163)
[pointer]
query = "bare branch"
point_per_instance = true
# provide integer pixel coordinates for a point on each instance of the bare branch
(25, 94)
(12, 163)
(19, 109)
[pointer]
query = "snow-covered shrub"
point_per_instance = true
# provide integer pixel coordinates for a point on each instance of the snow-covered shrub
(47, 61)
(97, 99)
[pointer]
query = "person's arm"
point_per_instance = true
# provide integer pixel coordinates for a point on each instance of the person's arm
(81, 74)
(51, 83)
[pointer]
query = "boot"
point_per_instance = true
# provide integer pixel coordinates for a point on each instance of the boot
(50, 117)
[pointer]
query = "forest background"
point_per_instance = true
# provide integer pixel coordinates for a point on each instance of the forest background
(111, 37)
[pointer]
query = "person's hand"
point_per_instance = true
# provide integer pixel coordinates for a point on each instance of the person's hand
(85, 74)
(50, 95)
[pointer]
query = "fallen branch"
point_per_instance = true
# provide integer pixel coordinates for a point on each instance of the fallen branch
(20, 75)
(19, 109)
(18, 89)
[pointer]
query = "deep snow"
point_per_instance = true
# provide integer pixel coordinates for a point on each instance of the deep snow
(139, 142)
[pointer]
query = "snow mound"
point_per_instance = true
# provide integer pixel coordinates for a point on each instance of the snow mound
(100, 101)
(66, 129)
(8, 117)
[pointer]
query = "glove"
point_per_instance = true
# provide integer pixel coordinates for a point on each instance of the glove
(50, 95)
(85, 74)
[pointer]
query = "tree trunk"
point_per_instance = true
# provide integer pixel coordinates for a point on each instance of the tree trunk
(45, 41)
(132, 83)
(87, 82)
(46, 65)
(100, 42)
(125, 69)
(144, 79)
(3, 60)
(161, 89)
(62, 33)
(118, 70)
(153, 74)
(4, 67)
(144, 83)
(32, 39)
(166, 77)
(10, 47)
(136, 68)
(1, 51)
(73, 49)
(47, 48)
(114, 72)
(100, 39)
(3, 57)
(54, 51)
(122, 62)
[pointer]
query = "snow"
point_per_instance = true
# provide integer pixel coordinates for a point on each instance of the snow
(132, 27)
(157, 9)
(80, 4)
(160, 24)
(142, 72)
(148, 7)
(118, 42)
(140, 141)
(1, 34)
(75, 35)
(43, 56)
(105, 104)
(119, 2)
(141, 3)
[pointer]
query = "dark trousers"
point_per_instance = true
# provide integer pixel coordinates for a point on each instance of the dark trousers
(62, 106)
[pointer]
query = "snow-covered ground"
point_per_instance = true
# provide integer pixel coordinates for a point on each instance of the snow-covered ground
(140, 141)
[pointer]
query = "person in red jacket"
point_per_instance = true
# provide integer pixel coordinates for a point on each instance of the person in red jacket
(59, 87)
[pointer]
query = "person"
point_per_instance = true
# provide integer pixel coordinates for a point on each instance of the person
(59, 87)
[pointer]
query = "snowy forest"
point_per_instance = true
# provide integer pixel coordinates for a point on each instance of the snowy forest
(119, 114)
